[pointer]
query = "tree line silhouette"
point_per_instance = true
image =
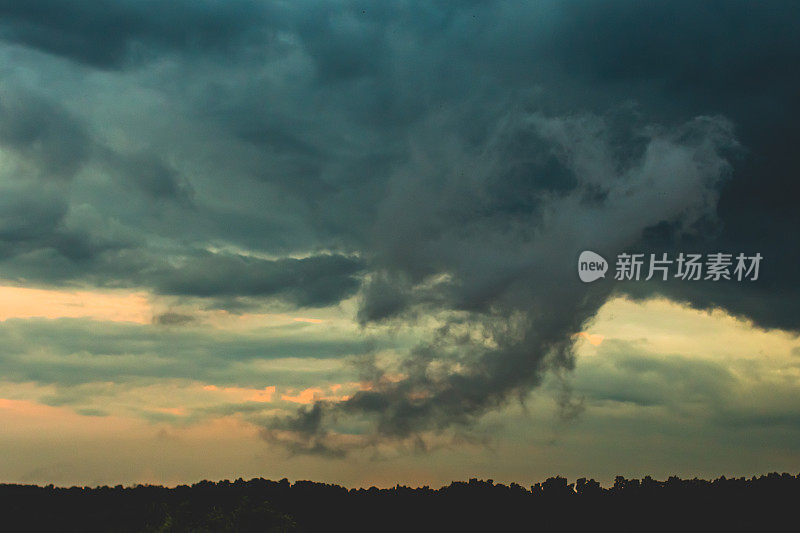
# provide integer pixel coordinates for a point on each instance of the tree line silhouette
(261, 505)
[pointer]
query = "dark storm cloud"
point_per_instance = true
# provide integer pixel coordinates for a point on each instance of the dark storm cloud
(150, 175)
(43, 148)
(108, 33)
(732, 58)
(28, 218)
(457, 156)
(43, 240)
(512, 302)
(313, 281)
(44, 133)
(625, 51)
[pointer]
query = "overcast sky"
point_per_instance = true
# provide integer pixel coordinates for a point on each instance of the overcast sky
(338, 240)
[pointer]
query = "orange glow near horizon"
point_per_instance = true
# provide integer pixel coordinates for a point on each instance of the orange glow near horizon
(314, 394)
(594, 340)
(251, 395)
(306, 396)
(20, 302)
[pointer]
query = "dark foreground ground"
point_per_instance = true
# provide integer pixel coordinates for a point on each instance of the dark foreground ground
(757, 504)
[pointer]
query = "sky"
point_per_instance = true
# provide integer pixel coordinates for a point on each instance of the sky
(339, 241)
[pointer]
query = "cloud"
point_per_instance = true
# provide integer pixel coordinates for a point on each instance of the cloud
(70, 352)
(508, 305)
(44, 134)
(632, 374)
(313, 281)
(442, 163)
(173, 319)
(148, 174)
(110, 33)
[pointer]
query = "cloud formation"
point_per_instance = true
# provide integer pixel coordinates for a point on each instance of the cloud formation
(502, 283)
(442, 163)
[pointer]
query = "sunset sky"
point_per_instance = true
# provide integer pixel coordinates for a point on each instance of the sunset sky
(338, 240)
